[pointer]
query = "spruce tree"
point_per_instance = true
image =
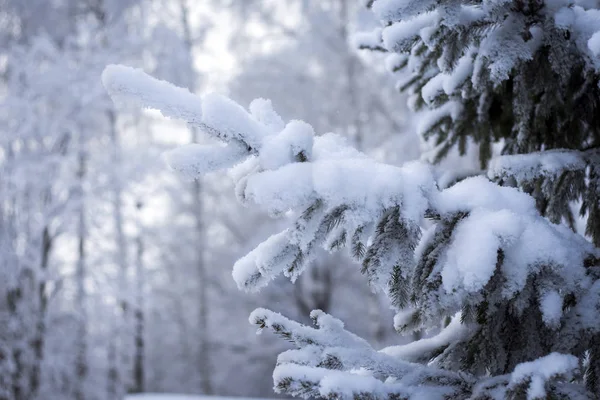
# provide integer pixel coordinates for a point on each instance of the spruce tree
(521, 73)
(490, 266)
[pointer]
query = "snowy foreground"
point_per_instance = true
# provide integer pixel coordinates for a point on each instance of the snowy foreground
(152, 396)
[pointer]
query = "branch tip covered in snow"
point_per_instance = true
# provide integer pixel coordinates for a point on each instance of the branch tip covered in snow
(134, 85)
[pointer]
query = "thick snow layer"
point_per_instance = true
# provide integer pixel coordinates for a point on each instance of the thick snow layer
(131, 84)
(195, 160)
(504, 49)
(433, 88)
(396, 36)
(478, 192)
(504, 218)
(542, 370)
(330, 334)
(393, 10)
(294, 141)
(264, 263)
(394, 61)
(421, 350)
(430, 118)
(231, 120)
(564, 17)
(525, 167)
(473, 266)
(594, 44)
(448, 83)
(551, 304)
(585, 24)
(263, 111)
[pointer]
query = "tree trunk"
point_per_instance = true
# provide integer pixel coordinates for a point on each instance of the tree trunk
(204, 359)
(356, 129)
(81, 366)
(121, 332)
(138, 358)
(113, 389)
(314, 290)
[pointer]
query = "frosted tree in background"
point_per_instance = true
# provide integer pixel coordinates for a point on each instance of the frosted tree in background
(513, 290)
(70, 326)
(54, 120)
(178, 42)
(313, 59)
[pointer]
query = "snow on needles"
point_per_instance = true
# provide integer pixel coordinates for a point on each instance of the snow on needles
(399, 35)
(487, 248)
(194, 160)
(526, 167)
(423, 350)
(131, 84)
(393, 10)
(339, 195)
(542, 370)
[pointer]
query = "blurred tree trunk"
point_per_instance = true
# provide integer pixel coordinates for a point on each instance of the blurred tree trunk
(120, 337)
(81, 366)
(350, 64)
(38, 277)
(138, 358)
(204, 358)
(314, 290)
(113, 382)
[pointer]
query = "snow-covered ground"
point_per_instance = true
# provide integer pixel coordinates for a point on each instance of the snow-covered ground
(164, 396)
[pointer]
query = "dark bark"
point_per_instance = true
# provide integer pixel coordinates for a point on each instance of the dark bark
(138, 358)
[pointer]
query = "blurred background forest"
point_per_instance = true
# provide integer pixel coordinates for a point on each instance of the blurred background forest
(115, 274)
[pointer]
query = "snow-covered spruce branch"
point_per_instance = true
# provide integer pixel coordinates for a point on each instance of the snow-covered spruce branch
(489, 254)
(550, 163)
(526, 72)
(523, 72)
(331, 362)
(556, 179)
